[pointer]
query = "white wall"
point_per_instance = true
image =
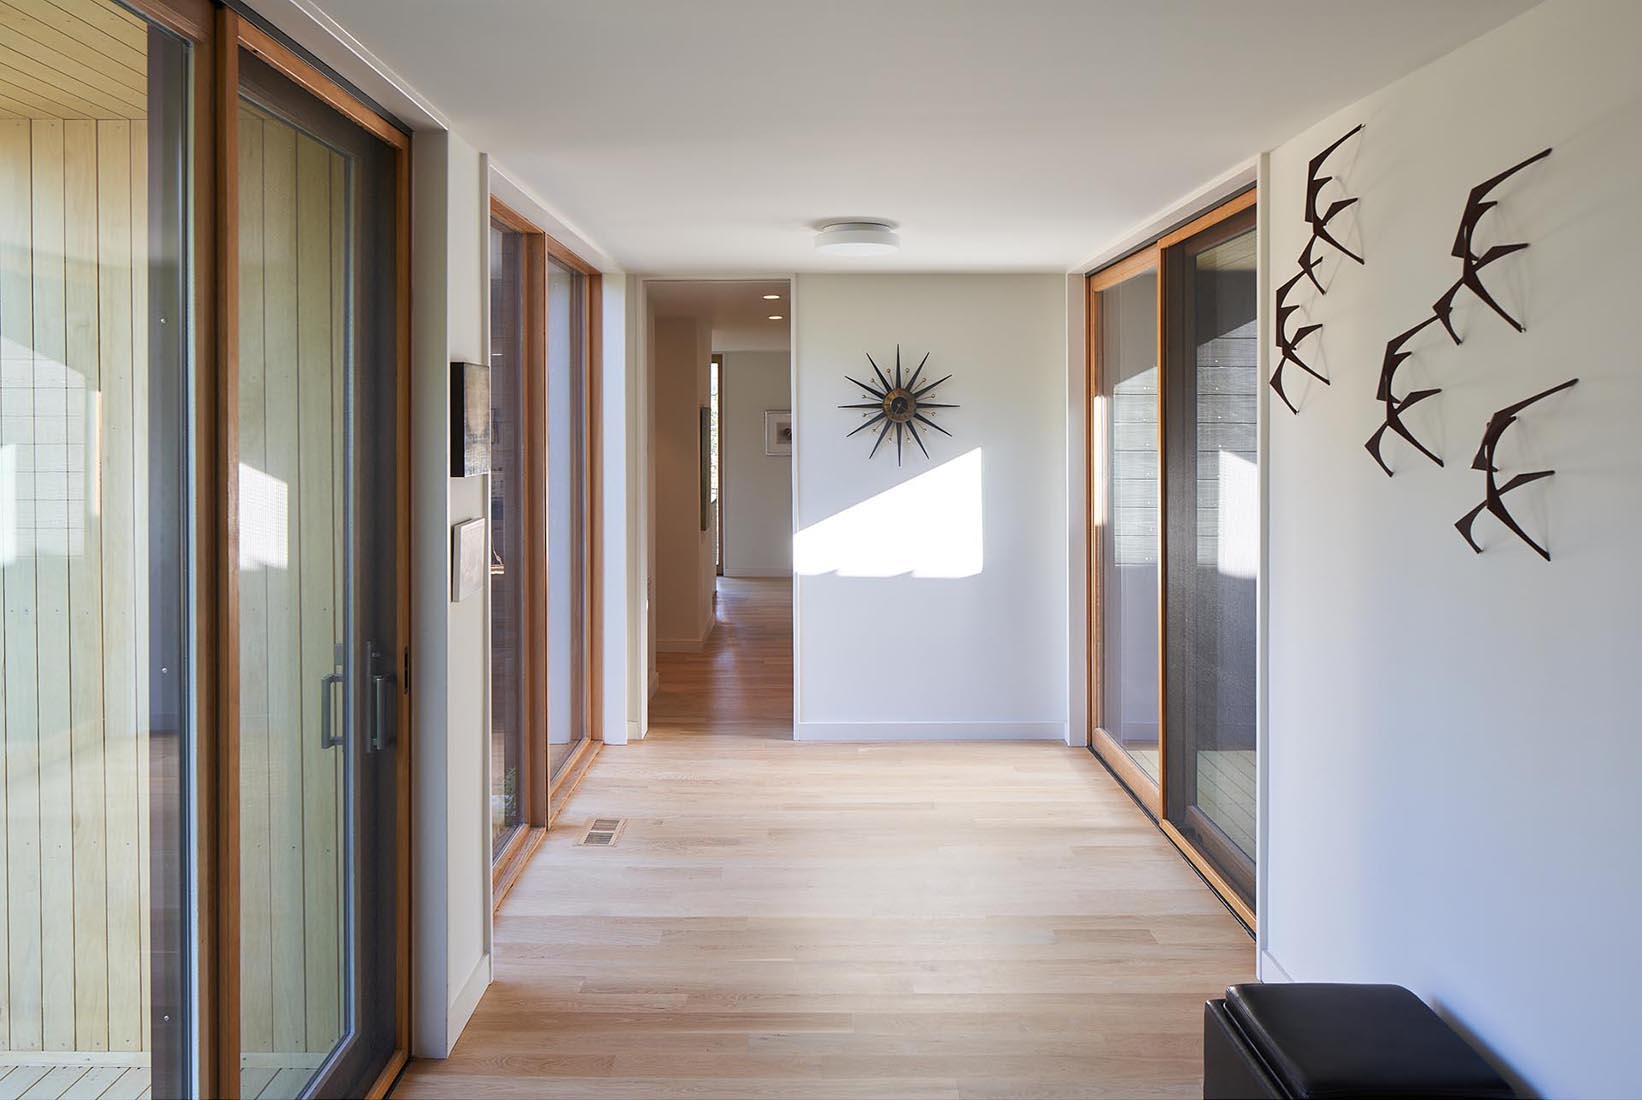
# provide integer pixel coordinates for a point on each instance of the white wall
(932, 598)
(451, 883)
(1453, 748)
(756, 492)
(681, 351)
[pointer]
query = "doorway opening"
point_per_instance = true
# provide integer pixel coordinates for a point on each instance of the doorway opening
(719, 369)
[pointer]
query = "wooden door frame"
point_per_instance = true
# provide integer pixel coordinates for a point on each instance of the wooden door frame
(219, 1055)
(510, 861)
(718, 462)
(1154, 797)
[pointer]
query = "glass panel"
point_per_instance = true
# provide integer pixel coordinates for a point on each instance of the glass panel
(507, 542)
(1214, 547)
(94, 495)
(317, 576)
(1128, 525)
(567, 599)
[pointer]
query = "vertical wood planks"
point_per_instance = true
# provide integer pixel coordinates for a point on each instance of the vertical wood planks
(285, 695)
(318, 547)
(80, 294)
(257, 533)
(22, 892)
(119, 627)
(52, 502)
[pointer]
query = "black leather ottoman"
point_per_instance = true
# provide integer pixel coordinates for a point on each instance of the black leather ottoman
(1319, 1040)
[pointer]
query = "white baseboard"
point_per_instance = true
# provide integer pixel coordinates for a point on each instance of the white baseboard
(466, 1000)
(687, 645)
(755, 572)
(930, 731)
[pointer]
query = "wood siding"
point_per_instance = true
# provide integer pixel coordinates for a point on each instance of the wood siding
(293, 225)
(73, 489)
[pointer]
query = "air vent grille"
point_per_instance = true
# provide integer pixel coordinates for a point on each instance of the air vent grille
(602, 832)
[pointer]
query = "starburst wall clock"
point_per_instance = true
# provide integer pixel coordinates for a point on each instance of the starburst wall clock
(899, 406)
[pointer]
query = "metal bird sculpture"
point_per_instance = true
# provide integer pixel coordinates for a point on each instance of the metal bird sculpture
(1318, 218)
(1396, 354)
(1478, 204)
(1493, 499)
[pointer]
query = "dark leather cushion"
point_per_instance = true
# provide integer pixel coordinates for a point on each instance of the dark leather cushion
(1329, 1040)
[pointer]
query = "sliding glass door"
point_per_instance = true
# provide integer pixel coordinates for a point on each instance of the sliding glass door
(1175, 535)
(320, 645)
(96, 677)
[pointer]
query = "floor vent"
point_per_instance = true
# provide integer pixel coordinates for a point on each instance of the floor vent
(602, 832)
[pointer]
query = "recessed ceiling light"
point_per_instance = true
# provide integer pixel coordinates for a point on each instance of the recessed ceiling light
(775, 316)
(857, 239)
(772, 297)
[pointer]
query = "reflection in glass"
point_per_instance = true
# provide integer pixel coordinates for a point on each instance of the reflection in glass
(568, 604)
(94, 495)
(1213, 525)
(1128, 523)
(507, 534)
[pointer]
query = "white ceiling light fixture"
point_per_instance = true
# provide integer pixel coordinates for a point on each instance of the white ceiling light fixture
(775, 316)
(772, 297)
(857, 238)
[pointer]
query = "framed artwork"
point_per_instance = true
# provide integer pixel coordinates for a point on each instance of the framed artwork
(469, 419)
(467, 559)
(778, 432)
(706, 454)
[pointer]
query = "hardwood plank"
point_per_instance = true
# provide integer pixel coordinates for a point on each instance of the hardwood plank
(131, 1084)
(53, 490)
(285, 686)
(55, 1084)
(318, 549)
(22, 747)
(120, 629)
(259, 531)
(85, 669)
(818, 920)
(20, 1080)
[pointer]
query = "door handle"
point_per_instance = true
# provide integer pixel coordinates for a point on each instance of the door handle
(327, 699)
(381, 700)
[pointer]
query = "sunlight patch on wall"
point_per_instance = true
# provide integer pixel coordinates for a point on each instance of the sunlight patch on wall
(928, 526)
(264, 521)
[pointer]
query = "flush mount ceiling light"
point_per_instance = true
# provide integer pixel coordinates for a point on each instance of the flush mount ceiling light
(857, 239)
(772, 297)
(775, 316)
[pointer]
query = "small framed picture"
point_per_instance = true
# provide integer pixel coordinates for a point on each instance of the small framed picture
(778, 432)
(467, 559)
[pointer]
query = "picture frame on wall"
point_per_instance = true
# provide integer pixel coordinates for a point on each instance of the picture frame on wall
(778, 432)
(469, 419)
(467, 559)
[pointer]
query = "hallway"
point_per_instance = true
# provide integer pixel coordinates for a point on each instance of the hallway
(784, 919)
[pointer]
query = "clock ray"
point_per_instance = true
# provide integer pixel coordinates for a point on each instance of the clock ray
(882, 433)
(916, 438)
(879, 373)
(866, 424)
(921, 418)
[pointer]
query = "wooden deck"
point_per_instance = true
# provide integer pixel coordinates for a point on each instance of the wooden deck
(792, 919)
(104, 1075)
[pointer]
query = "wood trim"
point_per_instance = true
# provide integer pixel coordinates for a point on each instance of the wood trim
(1236, 904)
(286, 60)
(1234, 205)
(571, 775)
(220, 1074)
(508, 870)
(568, 257)
(390, 1073)
(1123, 765)
(208, 581)
(534, 489)
(501, 862)
(593, 344)
(191, 19)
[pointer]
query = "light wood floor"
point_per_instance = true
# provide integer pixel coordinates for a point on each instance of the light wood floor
(786, 919)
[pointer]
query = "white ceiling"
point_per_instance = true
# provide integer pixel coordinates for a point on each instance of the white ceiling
(736, 310)
(709, 136)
